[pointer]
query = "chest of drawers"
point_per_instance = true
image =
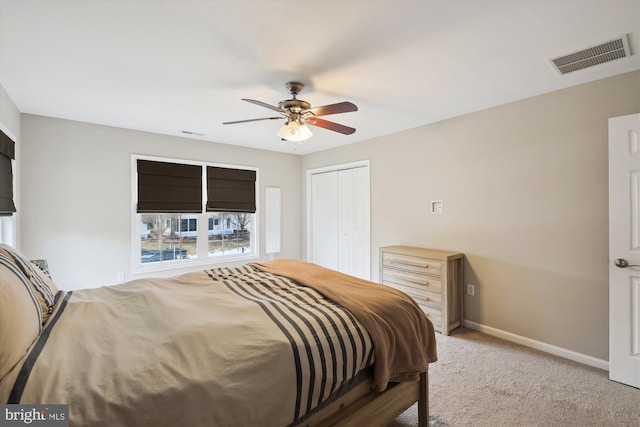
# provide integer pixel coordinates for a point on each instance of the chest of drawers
(433, 278)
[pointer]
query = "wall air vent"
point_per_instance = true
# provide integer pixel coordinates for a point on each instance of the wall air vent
(605, 52)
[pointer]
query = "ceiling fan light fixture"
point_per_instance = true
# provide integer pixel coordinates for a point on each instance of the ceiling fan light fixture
(299, 114)
(294, 131)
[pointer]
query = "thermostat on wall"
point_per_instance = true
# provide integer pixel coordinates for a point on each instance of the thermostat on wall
(436, 207)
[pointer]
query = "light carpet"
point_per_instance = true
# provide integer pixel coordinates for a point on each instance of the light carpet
(481, 380)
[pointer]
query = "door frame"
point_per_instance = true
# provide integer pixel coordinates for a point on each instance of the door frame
(333, 168)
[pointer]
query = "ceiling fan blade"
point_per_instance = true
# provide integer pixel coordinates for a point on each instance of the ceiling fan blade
(336, 127)
(340, 107)
(263, 104)
(253, 120)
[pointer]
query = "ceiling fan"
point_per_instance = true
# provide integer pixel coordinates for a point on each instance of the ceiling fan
(299, 113)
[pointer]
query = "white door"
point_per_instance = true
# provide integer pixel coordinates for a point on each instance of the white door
(361, 224)
(624, 249)
(345, 221)
(324, 219)
(353, 222)
(339, 222)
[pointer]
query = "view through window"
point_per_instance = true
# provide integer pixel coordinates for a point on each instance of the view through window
(170, 237)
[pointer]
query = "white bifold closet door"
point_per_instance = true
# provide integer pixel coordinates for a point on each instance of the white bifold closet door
(340, 231)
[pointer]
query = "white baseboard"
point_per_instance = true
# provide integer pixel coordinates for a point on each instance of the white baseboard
(538, 345)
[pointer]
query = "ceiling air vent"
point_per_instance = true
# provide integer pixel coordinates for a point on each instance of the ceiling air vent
(605, 52)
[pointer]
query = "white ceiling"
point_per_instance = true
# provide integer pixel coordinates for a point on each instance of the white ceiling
(173, 66)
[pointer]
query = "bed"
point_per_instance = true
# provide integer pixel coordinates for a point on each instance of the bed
(280, 343)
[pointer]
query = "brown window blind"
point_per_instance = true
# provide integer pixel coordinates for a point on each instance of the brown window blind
(169, 187)
(231, 190)
(7, 153)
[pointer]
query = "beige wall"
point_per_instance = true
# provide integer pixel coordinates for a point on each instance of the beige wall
(76, 194)
(525, 197)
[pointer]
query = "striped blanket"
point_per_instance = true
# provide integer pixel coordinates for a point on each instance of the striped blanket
(403, 336)
(227, 346)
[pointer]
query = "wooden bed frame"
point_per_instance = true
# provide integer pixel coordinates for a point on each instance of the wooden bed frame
(363, 406)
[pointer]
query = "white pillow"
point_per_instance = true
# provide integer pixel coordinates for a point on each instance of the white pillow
(43, 287)
(20, 315)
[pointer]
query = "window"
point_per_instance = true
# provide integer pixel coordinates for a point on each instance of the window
(7, 154)
(161, 239)
(187, 225)
(191, 213)
(234, 238)
(7, 187)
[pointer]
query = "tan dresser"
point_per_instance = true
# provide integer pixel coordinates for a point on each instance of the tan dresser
(433, 278)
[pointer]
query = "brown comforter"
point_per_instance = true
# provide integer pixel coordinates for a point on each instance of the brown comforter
(403, 337)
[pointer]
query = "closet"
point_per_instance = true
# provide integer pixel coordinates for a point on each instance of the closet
(339, 235)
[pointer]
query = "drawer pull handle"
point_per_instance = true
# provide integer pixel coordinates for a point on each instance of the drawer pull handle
(415, 264)
(418, 282)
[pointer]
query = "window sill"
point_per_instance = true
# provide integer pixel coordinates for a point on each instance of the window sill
(190, 264)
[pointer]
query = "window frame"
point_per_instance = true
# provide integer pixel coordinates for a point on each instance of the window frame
(202, 218)
(8, 223)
